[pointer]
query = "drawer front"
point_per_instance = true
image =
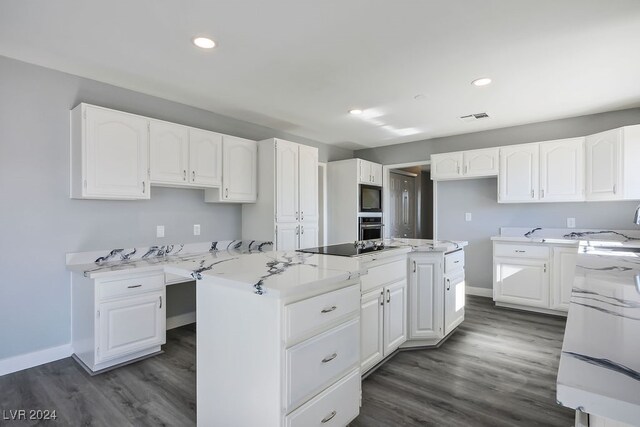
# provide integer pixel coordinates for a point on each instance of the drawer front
(317, 362)
(454, 261)
(313, 314)
(381, 275)
(130, 286)
(336, 406)
(520, 251)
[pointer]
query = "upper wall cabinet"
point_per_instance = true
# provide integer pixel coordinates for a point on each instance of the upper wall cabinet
(239, 172)
(205, 158)
(465, 164)
(109, 154)
(169, 153)
(562, 170)
(612, 164)
(518, 178)
(369, 173)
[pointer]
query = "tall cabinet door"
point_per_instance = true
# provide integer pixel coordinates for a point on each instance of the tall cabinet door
(117, 151)
(287, 236)
(205, 158)
(169, 152)
(425, 300)
(395, 316)
(239, 176)
(519, 173)
(371, 329)
(604, 165)
(454, 301)
(308, 235)
(287, 181)
(562, 170)
(308, 184)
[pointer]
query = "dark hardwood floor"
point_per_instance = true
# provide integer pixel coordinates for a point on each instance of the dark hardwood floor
(498, 369)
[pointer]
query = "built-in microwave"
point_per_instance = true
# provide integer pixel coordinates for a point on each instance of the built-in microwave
(370, 198)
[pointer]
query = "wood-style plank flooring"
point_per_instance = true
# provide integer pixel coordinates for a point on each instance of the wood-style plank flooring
(498, 369)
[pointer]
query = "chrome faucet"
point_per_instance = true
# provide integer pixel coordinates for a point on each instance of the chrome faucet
(636, 218)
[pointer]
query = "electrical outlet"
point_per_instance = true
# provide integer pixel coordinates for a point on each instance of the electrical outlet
(571, 223)
(196, 229)
(467, 216)
(160, 231)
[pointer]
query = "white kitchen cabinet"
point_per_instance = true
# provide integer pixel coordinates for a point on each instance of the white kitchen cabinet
(612, 171)
(308, 183)
(454, 301)
(446, 166)
(168, 153)
(369, 173)
(109, 154)
(521, 281)
(518, 180)
(131, 324)
(562, 277)
(395, 316)
(205, 158)
(371, 329)
(480, 163)
(425, 316)
(287, 194)
(562, 170)
(239, 169)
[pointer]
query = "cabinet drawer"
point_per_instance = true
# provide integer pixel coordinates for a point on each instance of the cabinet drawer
(313, 314)
(131, 285)
(317, 362)
(381, 275)
(520, 251)
(336, 406)
(454, 261)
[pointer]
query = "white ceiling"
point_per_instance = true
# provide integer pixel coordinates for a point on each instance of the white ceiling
(299, 65)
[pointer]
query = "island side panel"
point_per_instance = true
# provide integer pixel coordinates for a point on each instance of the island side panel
(238, 356)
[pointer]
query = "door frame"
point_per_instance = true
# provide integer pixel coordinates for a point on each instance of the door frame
(386, 200)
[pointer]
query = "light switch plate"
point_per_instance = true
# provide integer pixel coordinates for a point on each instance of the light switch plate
(571, 223)
(467, 216)
(160, 231)
(196, 229)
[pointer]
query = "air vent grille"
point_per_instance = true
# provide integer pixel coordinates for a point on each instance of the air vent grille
(474, 117)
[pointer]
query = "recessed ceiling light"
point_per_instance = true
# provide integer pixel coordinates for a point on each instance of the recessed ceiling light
(355, 111)
(483, 81)
(204, 42)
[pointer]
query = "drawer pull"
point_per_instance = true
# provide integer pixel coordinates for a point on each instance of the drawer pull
(328, 310)
(329, 417)
(134, 286)
(520, 252)
(329, 358)
(455, 262)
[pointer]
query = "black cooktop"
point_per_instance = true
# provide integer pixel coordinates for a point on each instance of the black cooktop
(346, 249)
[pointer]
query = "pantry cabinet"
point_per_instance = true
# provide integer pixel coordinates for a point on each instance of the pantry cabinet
(562, 170)
(518, 180)
(308, 183)
(109, 154)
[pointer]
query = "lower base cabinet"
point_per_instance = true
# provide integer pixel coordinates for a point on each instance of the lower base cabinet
(522, 281)
(454, 301)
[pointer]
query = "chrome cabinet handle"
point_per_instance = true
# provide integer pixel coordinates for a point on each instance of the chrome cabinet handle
(297, 216)
(297, 230)
(545, 268)
(184, 174)
(328, 310)
(532, 193)
(329, 358)
(160, 301)
(144, 187)
(329, 417)
(519, 251)
(414, 266)
(226, 193)
(193, 175)
(302, 228)
(542, 193)
(301, 215)
(382, 298)
(133, 286)
(388, 296)
(614, 188)
(448, 284)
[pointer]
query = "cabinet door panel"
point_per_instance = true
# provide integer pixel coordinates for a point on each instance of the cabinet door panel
(308, 235)
(481, 162)
(131, 324)
(395, 316)
(372, 329)
(376, 174)
(286, 181)
(364, 172)
(239, 177)
(117, 147)
(518, 178)
(446, 166)
(562, 170)
(564, 266)
(603, 165)
(205, 158)
(169, 153)
(521, 281)
(454, 301)
(308, 176)
(287, 236)
(426, 298)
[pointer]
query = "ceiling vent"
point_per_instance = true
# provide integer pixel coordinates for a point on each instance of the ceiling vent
(474, 117)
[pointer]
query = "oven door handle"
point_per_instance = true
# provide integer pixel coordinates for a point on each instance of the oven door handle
(371, 225)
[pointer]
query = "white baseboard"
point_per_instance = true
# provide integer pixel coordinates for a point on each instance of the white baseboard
(36, 358)
(481, 292)
(181, 320)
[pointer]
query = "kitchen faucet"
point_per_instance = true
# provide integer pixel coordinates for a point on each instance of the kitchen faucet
(636, 218)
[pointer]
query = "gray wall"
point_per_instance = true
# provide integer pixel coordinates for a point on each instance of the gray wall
(38, 221)
(480, 196)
